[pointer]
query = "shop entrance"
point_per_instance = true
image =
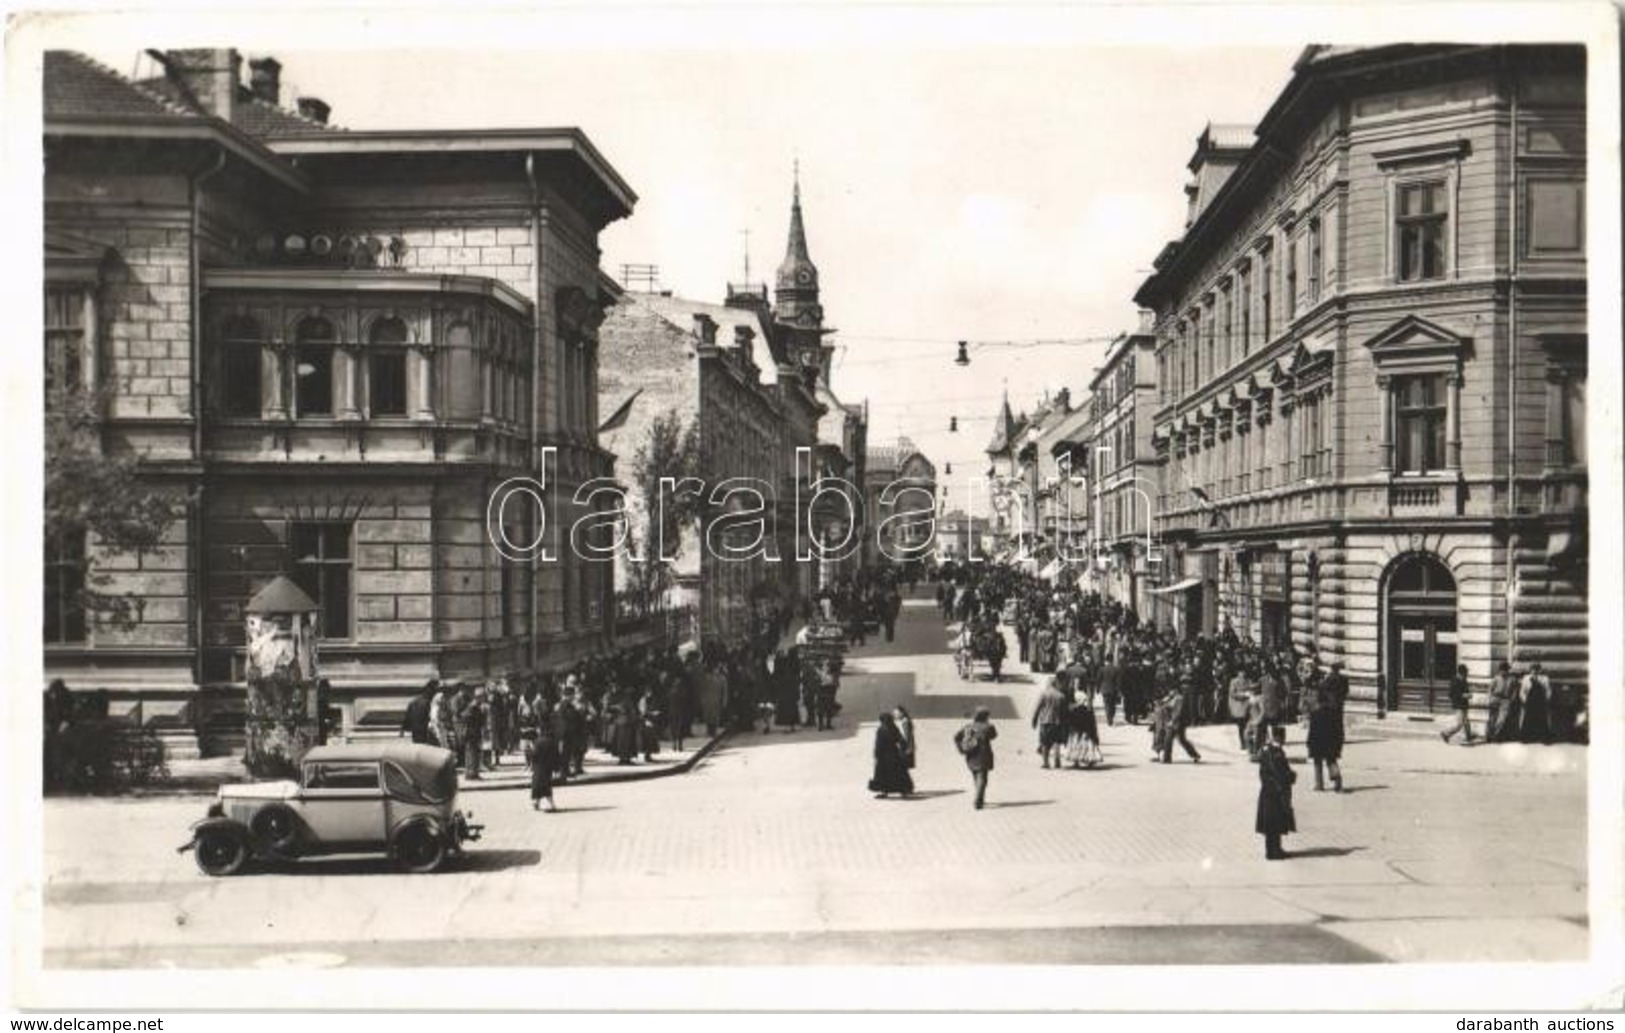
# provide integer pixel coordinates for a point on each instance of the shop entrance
(1421, 633)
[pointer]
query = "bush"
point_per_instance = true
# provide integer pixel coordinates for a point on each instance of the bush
(101, 755)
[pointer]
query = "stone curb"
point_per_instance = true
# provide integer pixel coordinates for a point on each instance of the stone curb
(634, 774)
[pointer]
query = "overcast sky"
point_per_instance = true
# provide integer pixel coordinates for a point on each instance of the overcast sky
(981, 183)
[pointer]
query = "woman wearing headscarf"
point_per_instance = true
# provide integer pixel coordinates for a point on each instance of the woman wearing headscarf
(891, 760)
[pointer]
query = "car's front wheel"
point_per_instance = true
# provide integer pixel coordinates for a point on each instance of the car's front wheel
(220, 852)
(418, 849)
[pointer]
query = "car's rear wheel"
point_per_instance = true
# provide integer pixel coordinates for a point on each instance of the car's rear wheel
(220, 852)
(418, 849)
(277, 827)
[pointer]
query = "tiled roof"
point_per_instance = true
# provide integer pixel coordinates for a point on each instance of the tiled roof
(257, 118)
(250, 114)
(76, 86)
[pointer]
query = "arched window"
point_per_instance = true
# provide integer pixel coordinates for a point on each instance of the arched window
(239, 368)
(386, 367)
(313, 367)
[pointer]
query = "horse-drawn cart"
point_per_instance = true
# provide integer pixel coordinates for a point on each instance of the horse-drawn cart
(983, 644)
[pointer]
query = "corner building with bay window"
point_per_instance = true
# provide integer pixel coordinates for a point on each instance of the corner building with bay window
(1371, 366)
(330, 347)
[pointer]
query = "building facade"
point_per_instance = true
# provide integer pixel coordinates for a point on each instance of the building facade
(331, 347)
(1122, 471)
(1371, 366)
(900, 493)
(671, 359)
(750, 377)
(961, 537)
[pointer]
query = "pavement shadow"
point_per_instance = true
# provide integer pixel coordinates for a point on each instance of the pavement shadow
(1362, 789)
(1019, 803)
(932, 794)
(1326, 851)
(580, 810)
(474, 859)
(502, 860)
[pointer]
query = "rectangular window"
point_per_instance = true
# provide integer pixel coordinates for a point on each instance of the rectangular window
(386, 376)
(1226, 330)
(1211, 317)
(1244, 290)
(1291, 285)
(240, 375)
(1421, 231)
(1314, 260)
(1266, 285)
(313, 380)
(1574, 419)
(1556, 217)
(64, 341)
(1419, 414)
(65, 587)
(323, 567)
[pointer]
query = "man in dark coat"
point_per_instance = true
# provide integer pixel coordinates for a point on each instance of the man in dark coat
(1178, 719)
(1325, 741)
(573, 719)
(975, 744)
(416, 721)
(1111, 687)
(1275, 777)
(890, 607)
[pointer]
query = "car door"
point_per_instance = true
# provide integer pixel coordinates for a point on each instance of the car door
(343, 804)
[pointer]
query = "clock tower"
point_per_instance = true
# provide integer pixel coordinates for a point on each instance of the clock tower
(796, 311)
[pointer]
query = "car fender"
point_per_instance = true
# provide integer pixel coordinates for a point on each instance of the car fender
(214, 821)
(435, 826)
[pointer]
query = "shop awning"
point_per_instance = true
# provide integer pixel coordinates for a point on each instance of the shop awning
(1178, 586)
(1054, 568)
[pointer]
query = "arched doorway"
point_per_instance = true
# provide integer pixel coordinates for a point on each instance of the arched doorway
(1421, 632)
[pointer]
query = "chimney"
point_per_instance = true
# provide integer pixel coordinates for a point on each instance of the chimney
(209, 75)
(1148, 321)
(744, 340)
(705, 329)
(1063, 400)
(265, 80)
(315, 109)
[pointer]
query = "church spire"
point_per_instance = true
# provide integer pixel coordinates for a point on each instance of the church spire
(798, 277)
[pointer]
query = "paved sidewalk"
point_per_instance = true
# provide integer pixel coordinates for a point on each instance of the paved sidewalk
(207, 775)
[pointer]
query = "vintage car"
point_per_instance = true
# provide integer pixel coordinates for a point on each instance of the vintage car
(395, 797)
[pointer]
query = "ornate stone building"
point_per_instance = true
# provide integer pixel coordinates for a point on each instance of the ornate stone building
(899, 480)
(1371, 355)
(331, 346)
(752, 379)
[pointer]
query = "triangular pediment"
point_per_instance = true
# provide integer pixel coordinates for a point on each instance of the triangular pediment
(69, 256)
(1414, 335)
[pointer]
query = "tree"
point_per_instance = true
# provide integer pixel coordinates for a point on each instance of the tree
(106, 497)
(669, 449)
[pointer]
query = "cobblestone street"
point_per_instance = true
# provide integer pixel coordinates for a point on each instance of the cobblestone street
(771, 851)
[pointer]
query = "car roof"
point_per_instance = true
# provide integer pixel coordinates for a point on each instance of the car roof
(418, 760)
